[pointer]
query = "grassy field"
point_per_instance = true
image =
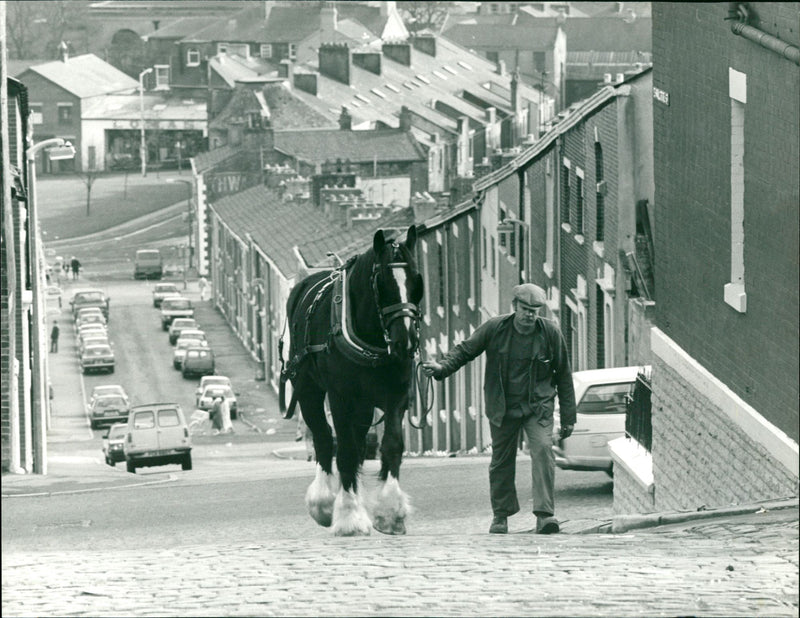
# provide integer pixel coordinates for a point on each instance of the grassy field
(62, 201)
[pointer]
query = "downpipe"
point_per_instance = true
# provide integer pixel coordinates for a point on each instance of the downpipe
(739, 12)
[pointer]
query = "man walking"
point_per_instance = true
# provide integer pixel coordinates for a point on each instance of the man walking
(202, 283)
(526, 366)
(76, 267)
(54, 337)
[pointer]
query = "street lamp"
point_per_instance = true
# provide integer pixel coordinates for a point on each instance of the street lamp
(59, 149)
(188, 184)
(143, 147)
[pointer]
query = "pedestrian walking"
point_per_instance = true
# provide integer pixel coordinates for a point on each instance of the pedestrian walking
(526, 366)
(66, 269)
(225, 416)
(54, 336)
(216, 415)
(76, 267)
(202, 283)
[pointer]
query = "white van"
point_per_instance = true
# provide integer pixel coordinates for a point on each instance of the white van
(148, 264)
(157, 435)
(601, 398)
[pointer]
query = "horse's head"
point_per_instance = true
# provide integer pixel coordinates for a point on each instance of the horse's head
(398, 290)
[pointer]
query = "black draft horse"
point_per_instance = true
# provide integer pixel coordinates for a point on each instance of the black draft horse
(354, 332)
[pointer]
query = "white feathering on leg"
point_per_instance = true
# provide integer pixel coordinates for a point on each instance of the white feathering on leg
(392, 505)
(350, 518)
(320, 496)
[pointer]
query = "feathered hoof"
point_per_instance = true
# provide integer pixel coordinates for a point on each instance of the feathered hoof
(394, 525)
(320, 497)
(349, 515)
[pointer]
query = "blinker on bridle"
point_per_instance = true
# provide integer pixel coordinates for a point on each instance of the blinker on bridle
(389, 314)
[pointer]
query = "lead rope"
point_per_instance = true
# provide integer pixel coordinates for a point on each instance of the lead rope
(424, 386)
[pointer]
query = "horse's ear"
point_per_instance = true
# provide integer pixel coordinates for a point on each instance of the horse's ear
(378, 242)
(411, 238)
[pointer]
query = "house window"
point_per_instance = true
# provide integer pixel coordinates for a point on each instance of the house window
(162, 77)
(265, 51)
(579, 201)
(734, 292)
(565, 190)
(484, 251)
(600, 196)
(37, 117)
(292, 51)
(222, 48)
(494, 259)
(440, 260)
(192, 58)
(64, 113)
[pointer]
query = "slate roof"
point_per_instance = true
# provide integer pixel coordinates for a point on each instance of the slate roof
(181, 28)
(356, 146)
(85, 76)
(233, 68)
(275, 102)
(594, 64)
(126, 106)
(276, 227)
(609, 34)
(504, 35)
(453, 71)
(207, 160)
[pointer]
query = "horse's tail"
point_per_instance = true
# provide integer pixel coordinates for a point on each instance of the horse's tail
(287, 414)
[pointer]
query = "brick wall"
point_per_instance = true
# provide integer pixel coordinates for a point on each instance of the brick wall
(629, 495)
(709, 446)
(757, 353)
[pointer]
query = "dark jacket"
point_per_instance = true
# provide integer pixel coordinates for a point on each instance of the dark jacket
(550, 370)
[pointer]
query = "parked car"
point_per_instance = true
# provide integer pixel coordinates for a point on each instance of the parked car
(212, 391)
(90, 330)
(157, 435)
(88, 310)
(177, 307)
(162, 291)
(107, 410)
(177, 326)
(92, 338)
(97, 358)
(193, 333)
(148, 264)
(108, 389)
(601, 398)
(113, 443)
(197, 362)
(205, 381)
(90, 298)
(89, 318)
(183, 344)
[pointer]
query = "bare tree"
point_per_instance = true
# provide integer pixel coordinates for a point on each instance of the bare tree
(424, 15)
(36, 29)
(89, 177)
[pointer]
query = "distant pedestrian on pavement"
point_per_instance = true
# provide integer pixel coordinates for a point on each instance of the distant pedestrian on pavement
(526, 365)
(66, 269)
(76, 267)
(202, 283)
(54, 337)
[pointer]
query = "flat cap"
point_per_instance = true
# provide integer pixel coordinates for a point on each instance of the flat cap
(530, 294)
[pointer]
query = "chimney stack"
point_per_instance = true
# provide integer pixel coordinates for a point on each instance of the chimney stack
(345, 120)
(63, 50)
(334, 61)
(399, 52)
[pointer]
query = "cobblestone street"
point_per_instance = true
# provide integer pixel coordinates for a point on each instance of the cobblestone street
(745, 566)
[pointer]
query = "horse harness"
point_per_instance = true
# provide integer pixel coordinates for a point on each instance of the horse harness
(341, 332)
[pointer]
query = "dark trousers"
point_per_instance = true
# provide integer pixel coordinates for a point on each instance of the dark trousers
(503, 467)
(54, 345)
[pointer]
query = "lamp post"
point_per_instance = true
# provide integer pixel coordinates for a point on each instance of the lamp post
(143, 146)
(60, 149)
(190, 214)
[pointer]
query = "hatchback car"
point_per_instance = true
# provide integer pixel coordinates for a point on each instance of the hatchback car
(205, 381)
(89, 318)
(177, 326)
(92, 339)
(157, 435)
(162, 291)
(198, 362)
(90, 330)
(107, 410)
(192, 333)
(97, 358)
(601, 398)
(212, 391)
(108, 389)
(184, 343)
(113, 442)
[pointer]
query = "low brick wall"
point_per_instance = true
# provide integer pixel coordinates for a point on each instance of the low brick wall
(709, 446)
(629, 495)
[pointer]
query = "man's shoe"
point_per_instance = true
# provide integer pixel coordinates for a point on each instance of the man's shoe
(546, 524)
(499, 525)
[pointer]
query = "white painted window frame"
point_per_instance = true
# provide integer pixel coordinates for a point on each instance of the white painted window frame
(735, 294)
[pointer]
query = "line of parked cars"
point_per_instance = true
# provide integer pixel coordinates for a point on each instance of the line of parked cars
(90, 312)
